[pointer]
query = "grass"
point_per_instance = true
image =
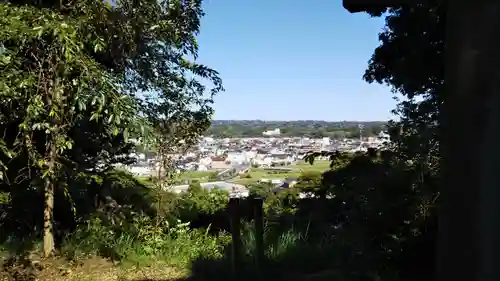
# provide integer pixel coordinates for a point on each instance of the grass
(184, 176)
(143, 242)
(144, 250)
(170, 257)
(148, 250)
(288, 255)
(284, 255)
(91, 269)
(196, 175)
(256, 174)
(318, 165)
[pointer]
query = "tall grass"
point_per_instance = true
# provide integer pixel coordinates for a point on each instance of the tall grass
(291, 250)
(145, 242)
(125, 233)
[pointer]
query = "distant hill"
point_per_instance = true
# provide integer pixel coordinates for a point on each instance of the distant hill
(296, 128)
(347, 123)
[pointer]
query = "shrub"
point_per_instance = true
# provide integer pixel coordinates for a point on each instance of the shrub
(200, 201)
(213, 176)
(246, 176)
(144, 241)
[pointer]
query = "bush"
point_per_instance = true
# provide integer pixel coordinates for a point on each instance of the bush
(213, 176)
(144, 241)
(198, 200)
(246, 176)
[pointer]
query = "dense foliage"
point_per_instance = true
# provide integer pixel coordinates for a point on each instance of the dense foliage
(314, 129)
(78, 77)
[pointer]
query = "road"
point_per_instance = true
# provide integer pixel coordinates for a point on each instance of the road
(232, 172)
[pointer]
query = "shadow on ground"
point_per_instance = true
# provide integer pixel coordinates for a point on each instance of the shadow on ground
(297, 263)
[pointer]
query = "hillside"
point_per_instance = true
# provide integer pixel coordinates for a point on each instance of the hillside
(298, 128)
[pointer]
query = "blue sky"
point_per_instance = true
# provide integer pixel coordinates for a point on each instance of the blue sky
(292, 60)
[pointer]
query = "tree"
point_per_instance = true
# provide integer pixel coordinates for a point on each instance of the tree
(309, 182)
(306, 128)
(46, 69)
(123, 64)
(410, 59)
(384, 202)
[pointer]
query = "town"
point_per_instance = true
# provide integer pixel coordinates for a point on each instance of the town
(233, 163)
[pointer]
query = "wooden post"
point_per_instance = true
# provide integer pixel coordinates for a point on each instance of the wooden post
(234, 213)
(259, 236)
(469, 238)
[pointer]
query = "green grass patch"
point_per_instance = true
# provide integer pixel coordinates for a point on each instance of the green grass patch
(318, 165)
(195, 175)
(255, 174)
(183, 177)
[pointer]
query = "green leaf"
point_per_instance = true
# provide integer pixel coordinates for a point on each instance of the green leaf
(125, 134)
(8, 153)
(81, 105)
(39, 29)
(5, 60)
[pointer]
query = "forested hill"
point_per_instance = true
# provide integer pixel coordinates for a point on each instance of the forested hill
(299, 128)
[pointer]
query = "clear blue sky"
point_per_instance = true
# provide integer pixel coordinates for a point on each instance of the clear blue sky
(291, 60)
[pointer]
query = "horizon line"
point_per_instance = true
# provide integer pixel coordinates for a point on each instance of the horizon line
(300, 120)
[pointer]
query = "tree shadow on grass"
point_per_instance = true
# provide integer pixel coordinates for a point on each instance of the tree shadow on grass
(297, 262)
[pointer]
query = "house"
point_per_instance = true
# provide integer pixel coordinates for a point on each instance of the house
(275, 132)
(218, 158)
(236, 158)
(202, 168)
(219, 163)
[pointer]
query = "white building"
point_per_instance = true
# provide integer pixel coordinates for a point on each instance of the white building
(202, 168)
(236, 158)
(325, 142)
(263, 162)
(249, 155)
(206, 161)
(275, 132)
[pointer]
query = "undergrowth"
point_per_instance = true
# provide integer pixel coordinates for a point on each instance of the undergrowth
(138, 226)
(145, 242)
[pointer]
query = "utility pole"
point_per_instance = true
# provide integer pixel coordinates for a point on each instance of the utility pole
(361, 126)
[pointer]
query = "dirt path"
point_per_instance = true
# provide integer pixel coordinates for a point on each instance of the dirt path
(92, 269)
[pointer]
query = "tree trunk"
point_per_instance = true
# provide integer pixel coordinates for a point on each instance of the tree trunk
(48, 212)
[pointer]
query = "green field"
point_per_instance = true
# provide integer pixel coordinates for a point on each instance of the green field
(193, 175)
(318, 165)
(260, 173)
(188, 175)
(255, 173)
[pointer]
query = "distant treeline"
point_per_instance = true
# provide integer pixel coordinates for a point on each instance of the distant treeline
(301, 128)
